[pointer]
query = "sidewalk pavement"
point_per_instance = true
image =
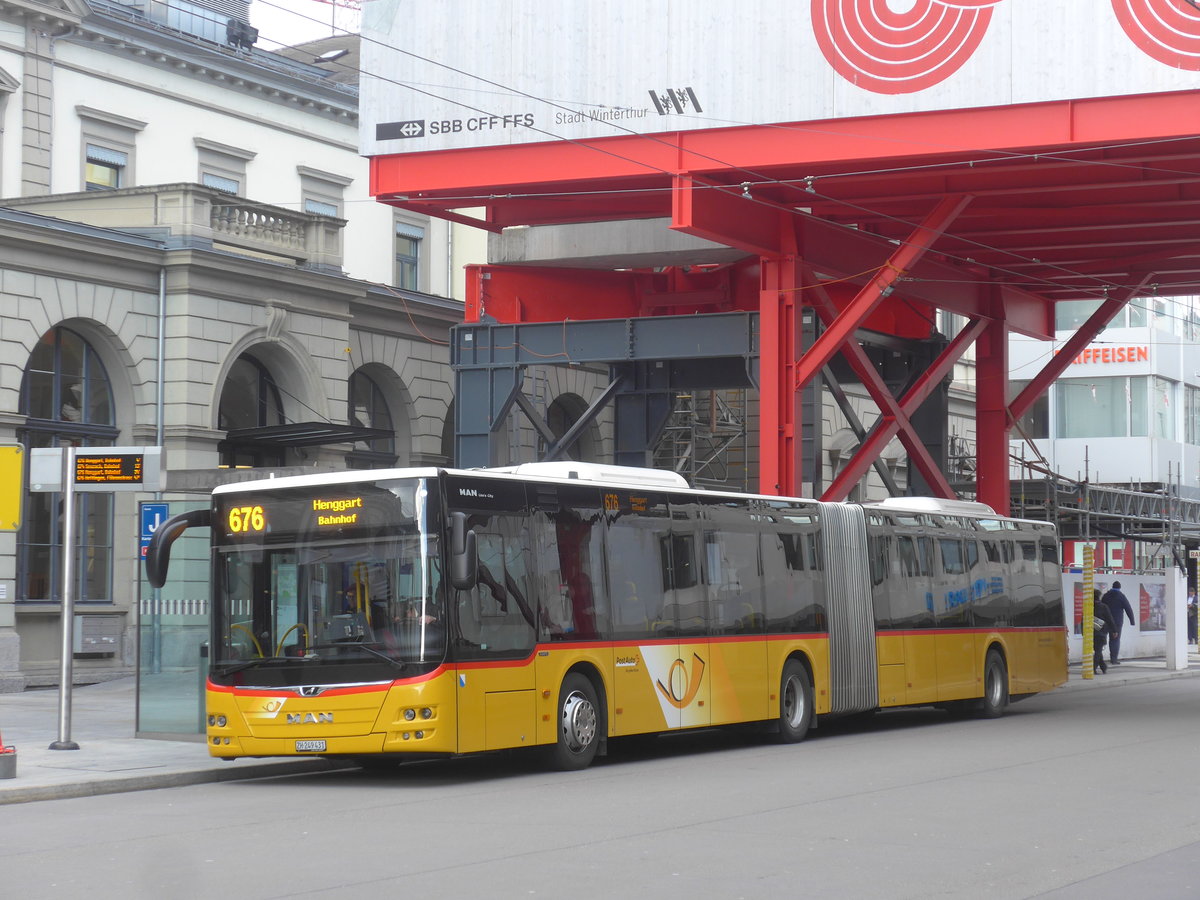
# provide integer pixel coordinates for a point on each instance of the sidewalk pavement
(110, 760)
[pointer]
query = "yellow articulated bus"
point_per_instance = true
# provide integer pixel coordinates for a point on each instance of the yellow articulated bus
(558, 605)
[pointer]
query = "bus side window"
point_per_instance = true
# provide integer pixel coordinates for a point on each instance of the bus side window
(638, 563)
(879, 558)
(911, 599)
(1052, 583)
(924, 556)
(571, 599)
(880, 562)
(908, 556)
(734, 582)
(972, 554)
(497, 614)
(1028, 594)
(952, 556)
(791, 596)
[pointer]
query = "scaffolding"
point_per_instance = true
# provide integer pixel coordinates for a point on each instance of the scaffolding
(706, 439)
(1164, 517)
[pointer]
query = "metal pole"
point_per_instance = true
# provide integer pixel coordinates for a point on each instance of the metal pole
(159, 432)
(64, 741)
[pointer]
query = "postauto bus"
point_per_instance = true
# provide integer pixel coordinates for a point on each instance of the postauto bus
(429, 611)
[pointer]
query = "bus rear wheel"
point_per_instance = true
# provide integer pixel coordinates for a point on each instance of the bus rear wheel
(995, 686)
(795, 703)
(579, 723)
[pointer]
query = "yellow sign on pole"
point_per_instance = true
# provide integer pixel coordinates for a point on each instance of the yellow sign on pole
(12, 476)
(1089, 611)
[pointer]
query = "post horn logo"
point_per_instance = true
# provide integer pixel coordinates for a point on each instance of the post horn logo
(680, 689)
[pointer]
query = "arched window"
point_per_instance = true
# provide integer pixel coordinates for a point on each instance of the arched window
(249, 399)
(66, 399)
(369, 408)
(564, 412)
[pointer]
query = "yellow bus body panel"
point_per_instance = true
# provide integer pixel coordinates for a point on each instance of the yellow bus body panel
(351, 720)
(643, 687)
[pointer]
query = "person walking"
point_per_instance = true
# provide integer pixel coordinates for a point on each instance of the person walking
(1191, 616)
(1118, 605)
(1102, 619)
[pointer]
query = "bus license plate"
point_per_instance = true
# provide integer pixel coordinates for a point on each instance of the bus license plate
(309, 746)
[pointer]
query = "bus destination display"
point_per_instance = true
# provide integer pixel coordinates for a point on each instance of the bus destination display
(246, 516)
(125, 468)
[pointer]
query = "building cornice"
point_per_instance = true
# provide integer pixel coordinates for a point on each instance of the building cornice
(349, 122)
(51, 15)
(125, 33)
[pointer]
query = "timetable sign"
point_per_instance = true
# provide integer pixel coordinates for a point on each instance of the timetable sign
(96, 469)
(116, 468)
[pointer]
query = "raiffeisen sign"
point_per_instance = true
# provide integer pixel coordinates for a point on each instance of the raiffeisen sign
(472, 73)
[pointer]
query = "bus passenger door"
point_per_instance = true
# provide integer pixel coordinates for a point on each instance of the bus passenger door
(494, 647)
(737, 651)
(912, 612)
(651, 679)
(685, 687)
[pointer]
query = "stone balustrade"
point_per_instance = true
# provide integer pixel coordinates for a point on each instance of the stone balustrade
(196, 214)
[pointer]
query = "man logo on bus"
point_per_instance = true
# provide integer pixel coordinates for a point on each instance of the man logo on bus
(681, 690)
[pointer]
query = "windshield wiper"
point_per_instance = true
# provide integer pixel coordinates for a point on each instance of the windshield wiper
(358, 645)
(251, 663)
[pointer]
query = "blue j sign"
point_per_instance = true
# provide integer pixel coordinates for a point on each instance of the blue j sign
(152, 515)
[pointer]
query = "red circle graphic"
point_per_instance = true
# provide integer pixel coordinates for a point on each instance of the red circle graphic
(1165, 30)
(879, 49)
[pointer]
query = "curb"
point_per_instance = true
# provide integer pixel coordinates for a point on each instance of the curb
(1076, 681)
(97, 786)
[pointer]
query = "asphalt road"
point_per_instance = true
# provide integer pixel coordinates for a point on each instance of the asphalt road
(1088, 794)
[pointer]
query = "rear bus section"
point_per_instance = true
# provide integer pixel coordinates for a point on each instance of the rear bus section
(961, 595)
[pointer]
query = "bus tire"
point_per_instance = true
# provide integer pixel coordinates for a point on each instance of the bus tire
(579, 724)
(795, 703)
(995, 686)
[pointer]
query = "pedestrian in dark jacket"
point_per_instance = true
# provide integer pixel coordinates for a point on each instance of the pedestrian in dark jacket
(1118, 605)
(1103, 621)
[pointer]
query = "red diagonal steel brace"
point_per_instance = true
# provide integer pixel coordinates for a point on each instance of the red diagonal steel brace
(842, 329)
(1077, 342)
(894, 415)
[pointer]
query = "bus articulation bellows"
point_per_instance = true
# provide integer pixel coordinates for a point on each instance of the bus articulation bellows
(557, 605)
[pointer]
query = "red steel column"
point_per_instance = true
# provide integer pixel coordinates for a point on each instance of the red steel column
(992, 422)
(779, 398)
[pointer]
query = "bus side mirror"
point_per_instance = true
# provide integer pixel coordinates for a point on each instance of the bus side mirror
(464, 558)
(158, 554)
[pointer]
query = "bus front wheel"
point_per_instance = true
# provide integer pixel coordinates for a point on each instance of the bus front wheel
(995, 686)
(795, 703)
(579, 723)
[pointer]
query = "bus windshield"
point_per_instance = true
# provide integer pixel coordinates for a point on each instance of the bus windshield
(342, 585)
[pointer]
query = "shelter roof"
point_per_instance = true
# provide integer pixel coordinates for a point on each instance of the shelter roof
(1068, 200)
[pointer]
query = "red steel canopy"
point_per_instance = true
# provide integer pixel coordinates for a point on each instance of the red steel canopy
(993, 213)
